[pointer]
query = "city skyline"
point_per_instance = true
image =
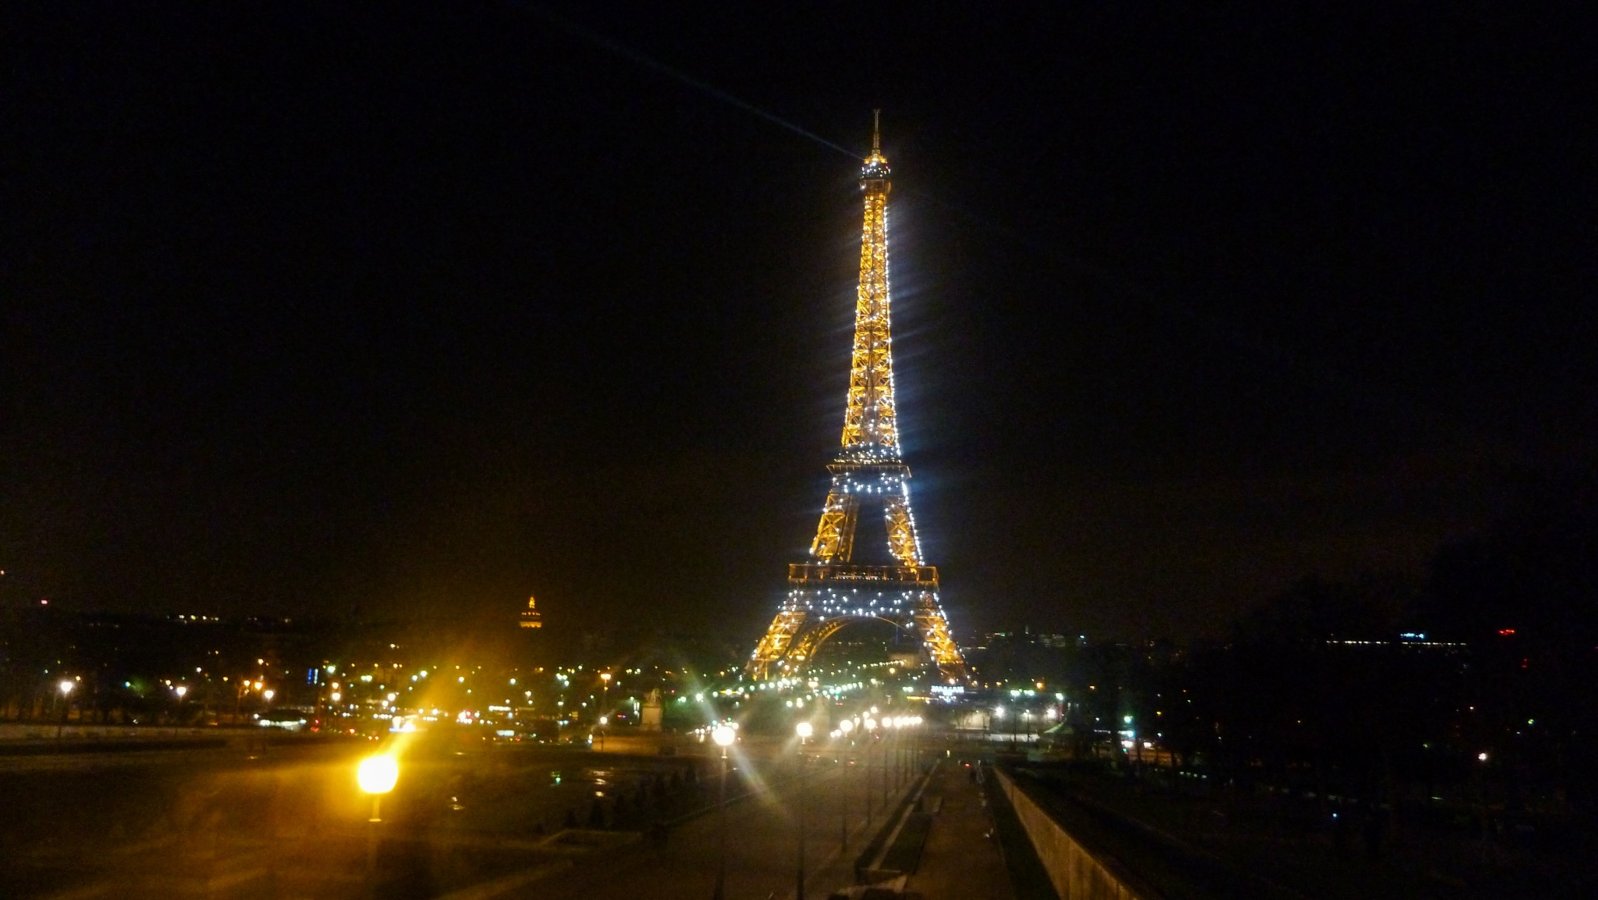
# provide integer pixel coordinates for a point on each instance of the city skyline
(429, 314)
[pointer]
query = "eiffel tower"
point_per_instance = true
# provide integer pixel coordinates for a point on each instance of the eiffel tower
(840, 583)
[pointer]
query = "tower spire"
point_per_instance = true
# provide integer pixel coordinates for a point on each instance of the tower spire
(870, 422)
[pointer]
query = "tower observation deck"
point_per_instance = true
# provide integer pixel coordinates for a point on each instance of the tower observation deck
(838, 584)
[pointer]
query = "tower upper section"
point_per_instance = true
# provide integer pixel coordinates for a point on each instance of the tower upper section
(875, 168)
(870, 423)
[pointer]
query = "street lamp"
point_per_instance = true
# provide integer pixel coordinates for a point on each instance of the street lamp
(376, 774)
(896, 722)
(870, 726)
(888, 725)
(65, 687)
(803, 730)
(723, 735)
(846, 726)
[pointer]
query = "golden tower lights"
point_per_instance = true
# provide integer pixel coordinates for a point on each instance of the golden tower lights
(829, 590)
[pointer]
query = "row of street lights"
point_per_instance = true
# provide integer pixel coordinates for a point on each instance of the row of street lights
(726, 734)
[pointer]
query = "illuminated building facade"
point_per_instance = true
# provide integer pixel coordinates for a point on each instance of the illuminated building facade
(839, 583)
(531, 617)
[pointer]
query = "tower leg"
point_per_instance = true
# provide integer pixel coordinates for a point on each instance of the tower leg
(776, 643)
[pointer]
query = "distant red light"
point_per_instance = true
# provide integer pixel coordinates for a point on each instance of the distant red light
(1506, 632)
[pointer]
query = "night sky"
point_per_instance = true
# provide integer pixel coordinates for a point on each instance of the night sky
(317, 308)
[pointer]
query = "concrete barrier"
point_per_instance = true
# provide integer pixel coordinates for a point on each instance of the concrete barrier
(1075, 873)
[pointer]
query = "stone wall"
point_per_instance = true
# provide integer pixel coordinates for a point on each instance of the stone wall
(1075, 873)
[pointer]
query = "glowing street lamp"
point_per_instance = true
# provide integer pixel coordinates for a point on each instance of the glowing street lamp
(376, 775)
(723, 735)
(803, 730)
(845, 727)
(889, 723)
(66, 686)
(869, 725)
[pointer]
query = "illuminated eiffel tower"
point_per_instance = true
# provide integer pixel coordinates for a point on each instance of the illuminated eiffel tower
(839, 584)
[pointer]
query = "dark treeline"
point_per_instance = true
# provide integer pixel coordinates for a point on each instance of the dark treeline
(1476, 686)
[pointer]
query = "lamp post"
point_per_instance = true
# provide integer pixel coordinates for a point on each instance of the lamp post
(723, 735)
(846, 726)
(901, 750)
(376, 775)
(65, 687)
(912, 749)
(803, 730)
(888, 725)
(243, 688)
(870, 726)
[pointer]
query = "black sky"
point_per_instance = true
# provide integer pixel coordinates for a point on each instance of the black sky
(317, 307)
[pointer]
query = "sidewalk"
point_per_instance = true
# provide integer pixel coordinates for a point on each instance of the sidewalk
(962, 859)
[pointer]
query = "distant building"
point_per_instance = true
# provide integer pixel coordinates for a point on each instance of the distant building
(531, 617)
